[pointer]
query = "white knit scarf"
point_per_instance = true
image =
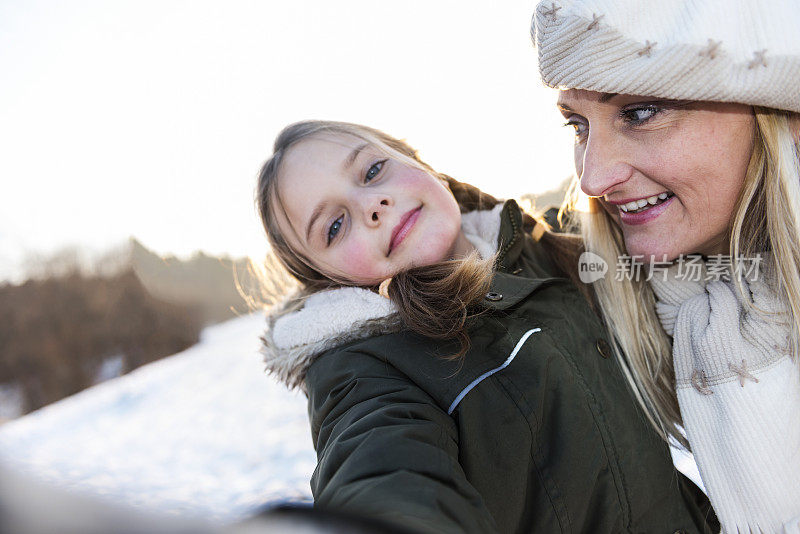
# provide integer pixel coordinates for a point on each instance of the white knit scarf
(738, 388)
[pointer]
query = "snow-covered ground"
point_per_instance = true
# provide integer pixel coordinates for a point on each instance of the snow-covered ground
(204, 433)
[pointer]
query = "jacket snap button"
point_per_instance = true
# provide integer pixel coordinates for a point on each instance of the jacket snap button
(494, 296)
(603, 348)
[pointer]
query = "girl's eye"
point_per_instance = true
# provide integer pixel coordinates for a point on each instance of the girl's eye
(639, 115)
(334, 228)
(373, 171)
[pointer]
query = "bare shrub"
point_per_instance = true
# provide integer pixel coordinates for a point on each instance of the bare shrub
(56, 332)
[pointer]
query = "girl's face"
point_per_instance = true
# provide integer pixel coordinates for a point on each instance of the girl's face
(668, 172)
(361, 216)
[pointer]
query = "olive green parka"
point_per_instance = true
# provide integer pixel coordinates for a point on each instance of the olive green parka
(534, 430)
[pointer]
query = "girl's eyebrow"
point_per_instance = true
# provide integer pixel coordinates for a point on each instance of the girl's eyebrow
(348, 162)
(314, 216)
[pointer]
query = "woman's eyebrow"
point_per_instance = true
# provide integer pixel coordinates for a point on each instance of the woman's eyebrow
(603, 98)
(349, 160)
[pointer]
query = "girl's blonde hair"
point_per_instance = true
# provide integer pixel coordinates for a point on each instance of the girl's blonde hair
(766, 218)
(432, 300)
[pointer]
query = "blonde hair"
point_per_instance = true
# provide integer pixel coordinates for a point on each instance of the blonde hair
(433, 300)
(766, 218)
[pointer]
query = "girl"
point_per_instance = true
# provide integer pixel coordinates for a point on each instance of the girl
(687, 141)
(457, 381)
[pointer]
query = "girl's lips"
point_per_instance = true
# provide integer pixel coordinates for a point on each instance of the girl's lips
(402, 229)
(646, 215)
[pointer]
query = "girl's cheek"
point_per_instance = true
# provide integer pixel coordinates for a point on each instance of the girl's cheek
(409, 177)
(358, 262)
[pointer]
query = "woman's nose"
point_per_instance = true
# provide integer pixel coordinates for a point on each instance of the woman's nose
(602, 166)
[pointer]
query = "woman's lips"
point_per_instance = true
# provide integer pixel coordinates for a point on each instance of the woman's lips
(402, 229)
(646, 215)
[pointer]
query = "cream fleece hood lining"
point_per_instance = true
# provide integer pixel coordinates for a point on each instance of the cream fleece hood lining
(334, 317)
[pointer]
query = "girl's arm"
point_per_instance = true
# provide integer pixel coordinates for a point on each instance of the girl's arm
(386, 450)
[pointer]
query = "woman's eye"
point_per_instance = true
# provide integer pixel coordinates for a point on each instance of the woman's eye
(639, 115)
(334, 228)
(373, 171)
(579, 127)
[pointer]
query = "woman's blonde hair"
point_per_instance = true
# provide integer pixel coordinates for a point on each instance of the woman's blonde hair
(766, 219)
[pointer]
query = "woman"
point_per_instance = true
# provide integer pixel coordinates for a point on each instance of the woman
(686, 142)
(457, 381)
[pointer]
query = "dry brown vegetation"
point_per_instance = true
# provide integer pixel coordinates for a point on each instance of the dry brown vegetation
(76, 312)
(204, 282)
(55, 333)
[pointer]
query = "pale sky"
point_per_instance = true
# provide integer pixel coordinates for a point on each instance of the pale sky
(151, 118)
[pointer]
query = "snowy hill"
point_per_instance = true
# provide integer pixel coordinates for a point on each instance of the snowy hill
(204, 433)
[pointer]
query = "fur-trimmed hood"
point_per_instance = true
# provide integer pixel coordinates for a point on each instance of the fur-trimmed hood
(328, 319)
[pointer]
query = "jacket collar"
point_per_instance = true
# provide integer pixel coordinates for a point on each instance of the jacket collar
(335, 317)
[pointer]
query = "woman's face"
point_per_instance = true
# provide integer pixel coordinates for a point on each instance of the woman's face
(668, 172)
(361, 216)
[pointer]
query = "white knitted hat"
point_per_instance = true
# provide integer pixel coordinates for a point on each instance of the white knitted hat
(745, 51)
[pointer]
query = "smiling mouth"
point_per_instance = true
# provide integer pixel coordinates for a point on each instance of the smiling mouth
(643, 204)
(402, 229)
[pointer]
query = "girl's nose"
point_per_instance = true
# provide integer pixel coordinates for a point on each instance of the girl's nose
(603, 166)
(374, 207)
